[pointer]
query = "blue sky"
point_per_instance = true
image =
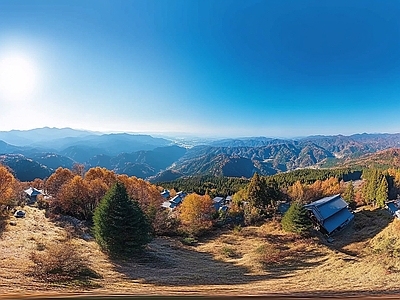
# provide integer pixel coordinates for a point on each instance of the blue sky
(208, 68)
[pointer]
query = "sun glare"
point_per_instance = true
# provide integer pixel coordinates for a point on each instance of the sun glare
(18, 77)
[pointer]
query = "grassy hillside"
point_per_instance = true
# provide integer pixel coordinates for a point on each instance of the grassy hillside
(243, 261)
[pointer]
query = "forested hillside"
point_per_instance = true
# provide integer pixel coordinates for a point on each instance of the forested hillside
(159, 159)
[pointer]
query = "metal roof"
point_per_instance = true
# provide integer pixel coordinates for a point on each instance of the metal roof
(337, 220)
(326, 207)
(33, 192)
(218, 199)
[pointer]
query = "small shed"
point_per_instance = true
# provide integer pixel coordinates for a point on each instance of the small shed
(32, 194)
(330, 214)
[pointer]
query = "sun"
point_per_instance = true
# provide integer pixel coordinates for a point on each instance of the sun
(18, 77)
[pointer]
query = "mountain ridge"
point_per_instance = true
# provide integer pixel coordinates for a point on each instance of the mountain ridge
(153, 158)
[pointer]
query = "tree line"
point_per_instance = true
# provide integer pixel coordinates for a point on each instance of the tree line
(79, 193)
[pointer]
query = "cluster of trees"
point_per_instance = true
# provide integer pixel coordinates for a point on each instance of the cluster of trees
(210, 185)
(101, 196)
(309, 176)
(375, 189)
(78, 193)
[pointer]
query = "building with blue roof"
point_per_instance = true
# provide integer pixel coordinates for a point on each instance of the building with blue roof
(330, 214)
(175, 201)
(394, 208)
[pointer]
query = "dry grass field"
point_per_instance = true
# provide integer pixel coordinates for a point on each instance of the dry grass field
(363, 259)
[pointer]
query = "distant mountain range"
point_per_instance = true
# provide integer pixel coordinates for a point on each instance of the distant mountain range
(37, 153)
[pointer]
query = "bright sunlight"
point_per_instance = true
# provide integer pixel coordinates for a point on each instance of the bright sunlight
(18, 77)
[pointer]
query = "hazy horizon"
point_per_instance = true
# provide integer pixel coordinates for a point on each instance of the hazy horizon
(280, 69)
(188, 135)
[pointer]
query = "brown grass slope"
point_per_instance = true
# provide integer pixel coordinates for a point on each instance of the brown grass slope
(247, 261)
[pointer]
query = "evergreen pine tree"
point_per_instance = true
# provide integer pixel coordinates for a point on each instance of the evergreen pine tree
(120, 226)
(256, 192)
(372, 178)
(382, 193)
(296, 219)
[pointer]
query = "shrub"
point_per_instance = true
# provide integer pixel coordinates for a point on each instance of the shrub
(189, 241)
(60, 263)
(252, 215)
(270, 254)
(229, 252)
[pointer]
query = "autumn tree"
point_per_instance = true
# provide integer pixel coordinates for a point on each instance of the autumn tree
(57, 179)
(107, 176)
(73, 199)
(297, 192)
(7, 184)
(349, 195)
(78, 169)
(314, 191)
(330, 186)
(196, 213)
(120, 226)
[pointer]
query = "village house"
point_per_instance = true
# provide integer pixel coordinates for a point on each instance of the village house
(174, 202)
(330, 214)
(221, 203)
(32, 194)
(165, 194)
(394, 208)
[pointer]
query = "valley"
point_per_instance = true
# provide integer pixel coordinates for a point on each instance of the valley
(37, 153)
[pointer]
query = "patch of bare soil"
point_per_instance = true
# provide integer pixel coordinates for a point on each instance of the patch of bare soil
(251, 261)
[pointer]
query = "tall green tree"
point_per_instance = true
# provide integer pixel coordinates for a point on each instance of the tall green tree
(120, 226)
(256, 192)
(296, 219)
(372, 179)
(382, 193)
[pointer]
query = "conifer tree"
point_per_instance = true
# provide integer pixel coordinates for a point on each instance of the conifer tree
(120, 226)
(256, 192)
(382, 193)
(296, 219)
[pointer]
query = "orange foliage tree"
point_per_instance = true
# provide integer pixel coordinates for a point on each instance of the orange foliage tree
(149, 199)
(306, 193)
(107, 176)
(56, 180)
(7, 184)
(331, 186)
(297, 192)
(196, 213)
(73, 199)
